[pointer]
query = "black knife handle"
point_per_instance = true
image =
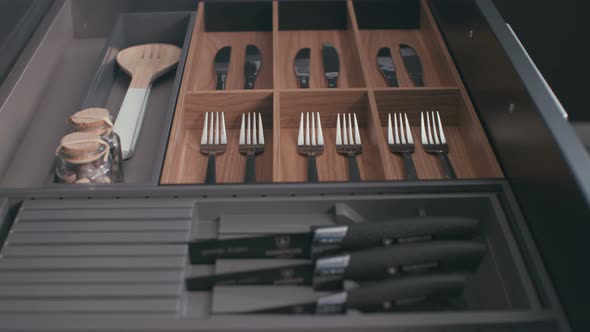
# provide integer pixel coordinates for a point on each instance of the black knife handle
(210, 175)
(332, 82)
(403, 230)
(312, 169)
(447, 166)
(411, 173)
(304, 82)
(221, 78)
(417, 79)
(383, 263)
(395, 291)
(250, 80)
(354, 173)
(250, 169)
(391, 79)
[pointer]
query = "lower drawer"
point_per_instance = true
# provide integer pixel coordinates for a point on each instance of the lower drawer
(121, 263)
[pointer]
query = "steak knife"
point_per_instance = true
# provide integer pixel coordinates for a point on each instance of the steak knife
(331, 64)
(412, 63)
(301, 66)
(252, 65)
(221, 65)
(323, 241)
(416, 292)
(328, 273)
(386, 66)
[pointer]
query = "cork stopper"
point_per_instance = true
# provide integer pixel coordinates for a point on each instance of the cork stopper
(82, 148)
(91, 119)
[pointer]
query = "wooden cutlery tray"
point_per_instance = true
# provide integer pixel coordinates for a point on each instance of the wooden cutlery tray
(357, 30)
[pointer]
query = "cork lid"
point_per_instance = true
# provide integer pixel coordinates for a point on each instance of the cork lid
(91, 119)
(82, 148)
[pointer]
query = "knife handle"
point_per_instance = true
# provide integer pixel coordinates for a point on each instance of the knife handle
(391, 79)
(332, 82)
(221, 78)
(409, 289)
(250, 80)
(304, 82)
(210, 175)
(312, 169)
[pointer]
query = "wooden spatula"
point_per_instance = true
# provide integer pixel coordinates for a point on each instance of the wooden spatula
(144, 63)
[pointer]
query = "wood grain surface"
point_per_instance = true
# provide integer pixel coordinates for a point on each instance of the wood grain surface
(361, 90)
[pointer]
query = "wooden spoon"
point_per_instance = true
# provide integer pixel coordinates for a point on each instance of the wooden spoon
(144, 63)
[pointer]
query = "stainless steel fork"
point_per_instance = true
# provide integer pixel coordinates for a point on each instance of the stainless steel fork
(311, 143)
(348, 143)
(434, 141)
(402, 142)
(213, 142)
(251, 143)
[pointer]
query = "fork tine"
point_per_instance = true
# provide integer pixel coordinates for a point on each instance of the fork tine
(422, 130)
(338, 133)
(217, 134)
(357, 134)
(205, 127)
(401, 129)
(313, 141)
(389, 130)
(350, 137)
(242, 130)
(260, 130)
(320, 134)
(223, 133)
(307, 128)
(211, 128)
(428, 130)
(248, 132)
(443, 140)
(408, 130)
(434, 129)
(344, 134)
(254, 138)
(396, 130)
(300, 138)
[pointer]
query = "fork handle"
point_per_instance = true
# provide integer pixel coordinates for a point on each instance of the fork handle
(411, 173)
(447, 166)
(250, 169)
(353, 169)
(312, 169)
(210, 175)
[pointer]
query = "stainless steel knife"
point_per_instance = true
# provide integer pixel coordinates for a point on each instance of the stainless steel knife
(328, 273)
(331, 64)
(323, 241)
(408, 293)
(252, 65)
(412, 63)
(301, 65)
(221, 65)
(386, 66)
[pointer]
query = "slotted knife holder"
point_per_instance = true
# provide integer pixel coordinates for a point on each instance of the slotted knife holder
(280, 29)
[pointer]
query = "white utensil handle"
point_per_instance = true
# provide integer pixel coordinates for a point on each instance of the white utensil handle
(130, 118)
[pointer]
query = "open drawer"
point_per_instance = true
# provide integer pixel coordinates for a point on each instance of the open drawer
(122, 263)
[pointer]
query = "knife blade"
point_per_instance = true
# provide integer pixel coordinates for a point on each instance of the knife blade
(301, 65)
(331, 64)
(412, 63)
(373, 264)
(322, 241)
(386, 66)
(416, 292)
(221, 65)
(252, 65)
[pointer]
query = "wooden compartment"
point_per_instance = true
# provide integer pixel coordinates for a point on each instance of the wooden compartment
(235, 25)
(331, 165)
(311, 24)
(361, 90)
(187, 165)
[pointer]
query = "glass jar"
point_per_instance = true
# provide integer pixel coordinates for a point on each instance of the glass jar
(83, 158)
(98, 121)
